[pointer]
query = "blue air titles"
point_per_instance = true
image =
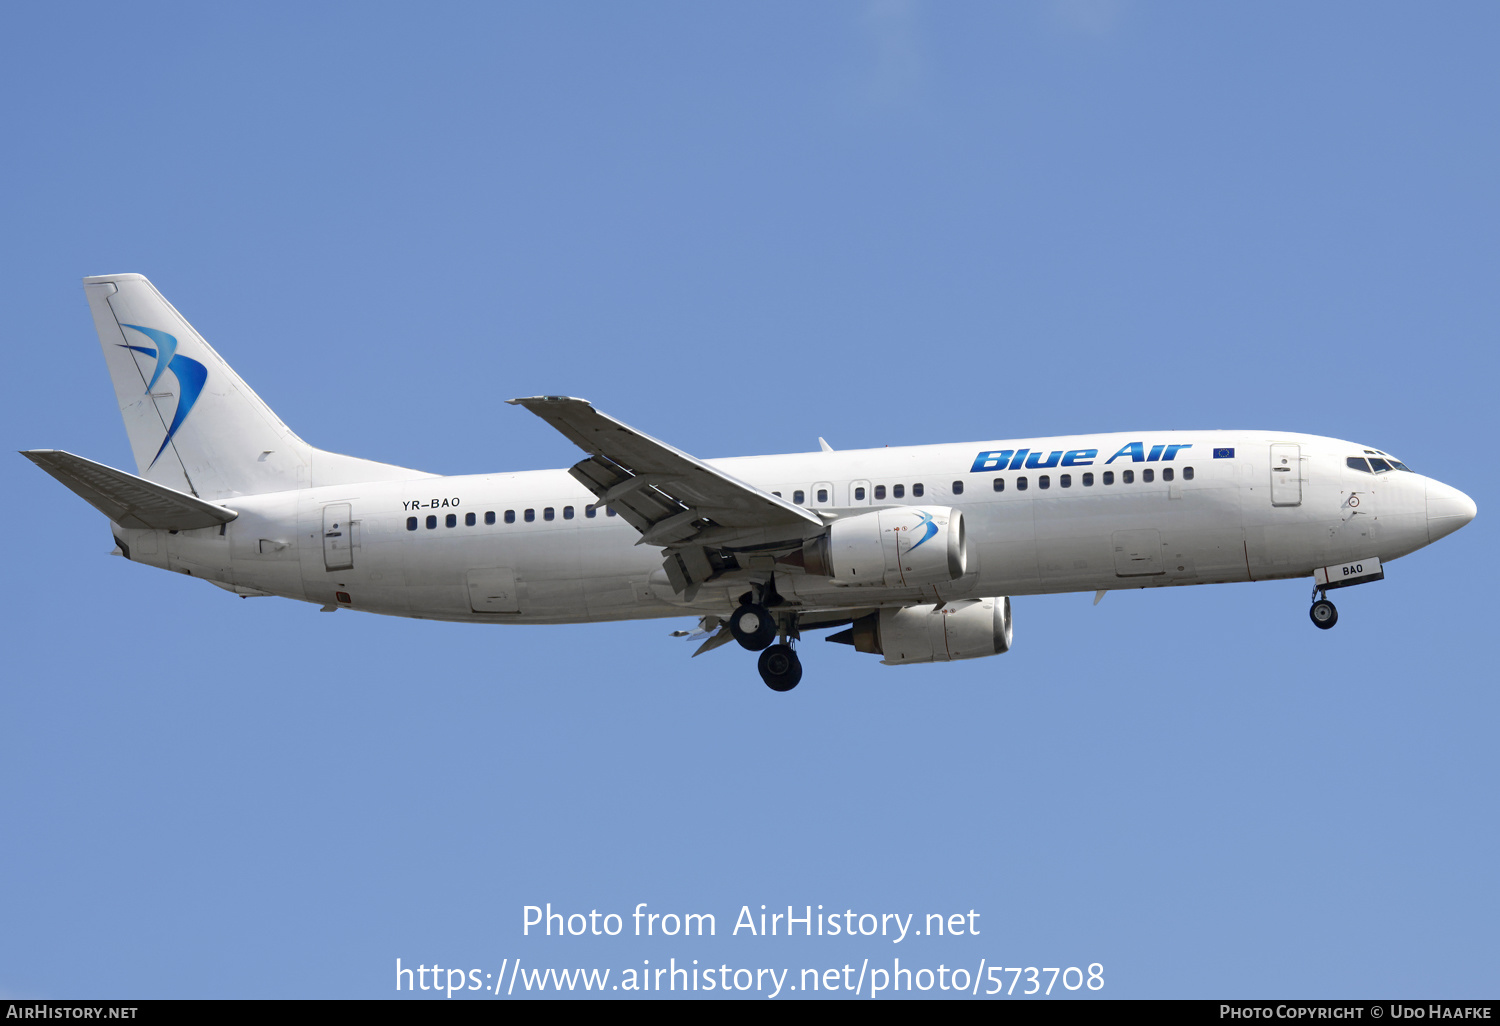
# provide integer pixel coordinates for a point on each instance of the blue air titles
(1018, 459)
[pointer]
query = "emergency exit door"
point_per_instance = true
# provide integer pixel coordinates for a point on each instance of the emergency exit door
(1286, 474)
(338, 537)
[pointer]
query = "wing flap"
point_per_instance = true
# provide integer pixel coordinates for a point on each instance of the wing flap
(128, 500)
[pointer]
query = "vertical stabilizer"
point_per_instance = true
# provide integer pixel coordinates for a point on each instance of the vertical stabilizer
(194, 425)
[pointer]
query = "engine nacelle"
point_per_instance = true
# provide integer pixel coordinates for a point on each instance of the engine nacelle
(966, 629)
(904, 547)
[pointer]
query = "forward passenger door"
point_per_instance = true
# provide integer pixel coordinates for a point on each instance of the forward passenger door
(1286, 474)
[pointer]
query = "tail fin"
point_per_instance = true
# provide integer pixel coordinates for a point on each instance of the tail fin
(193, 424)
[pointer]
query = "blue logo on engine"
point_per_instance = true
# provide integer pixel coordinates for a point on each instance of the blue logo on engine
(926, 521)
(190, 375)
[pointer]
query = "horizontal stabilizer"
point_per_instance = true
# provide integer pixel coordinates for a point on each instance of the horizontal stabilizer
(128, 500)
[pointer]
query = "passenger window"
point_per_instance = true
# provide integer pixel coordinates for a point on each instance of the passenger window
(958, 487)
(1088, 480)
(411, 523)
(898, 491)
(432, 523)
(1066, 480)
(549, 513)
(880, 491)
(609, 511)
(822, 494)
(451, 520)
(798, 497)
(567, 512)
(916, 491)
(510, 516)
(1044, 481)
(489, 517)
(999, 484)
(590, 512)
(859, 495)
(1127, 477)
(1109, 477)
(530, 515)
(1166, 474)
(1148, 475)
(1020, 484)
(470, 520)
(777, 494)
(1187, 473)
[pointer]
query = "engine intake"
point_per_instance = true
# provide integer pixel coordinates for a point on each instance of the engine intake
(902, 547)
(966, 629)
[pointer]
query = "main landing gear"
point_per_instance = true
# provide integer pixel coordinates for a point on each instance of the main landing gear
(755, 627)
(752, 626)
(1323, 614)
(780, 668)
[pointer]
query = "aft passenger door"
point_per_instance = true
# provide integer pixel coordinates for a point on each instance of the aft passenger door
(1286, 474)
(338, 537)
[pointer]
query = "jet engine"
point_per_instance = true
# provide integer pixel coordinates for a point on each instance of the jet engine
(966, 629)
(903, 547)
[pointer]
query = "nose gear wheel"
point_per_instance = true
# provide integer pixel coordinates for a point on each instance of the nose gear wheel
(1323, 614)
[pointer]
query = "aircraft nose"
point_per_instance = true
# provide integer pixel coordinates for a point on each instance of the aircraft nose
(1448, 509)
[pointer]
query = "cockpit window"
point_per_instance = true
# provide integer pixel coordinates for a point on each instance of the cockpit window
(1357, 463)
(1380, 461)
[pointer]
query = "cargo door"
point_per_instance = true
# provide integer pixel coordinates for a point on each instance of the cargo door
(338, 537)
(1286, 474)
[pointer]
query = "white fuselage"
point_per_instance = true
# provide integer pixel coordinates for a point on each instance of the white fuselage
(534, 555)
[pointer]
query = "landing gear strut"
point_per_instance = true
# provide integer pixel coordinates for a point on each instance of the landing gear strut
(780, 668)
(1322, 613)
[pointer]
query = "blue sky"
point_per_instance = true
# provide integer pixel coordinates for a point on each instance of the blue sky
(739, 227)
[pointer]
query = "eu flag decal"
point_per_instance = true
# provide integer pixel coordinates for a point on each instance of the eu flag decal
(1224, 454)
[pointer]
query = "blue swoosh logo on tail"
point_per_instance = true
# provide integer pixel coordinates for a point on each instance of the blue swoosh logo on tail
(190, 375)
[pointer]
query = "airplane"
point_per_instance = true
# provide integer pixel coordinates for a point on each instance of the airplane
(915, 551)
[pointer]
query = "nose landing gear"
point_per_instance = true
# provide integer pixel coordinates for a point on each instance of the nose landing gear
(1323, 614)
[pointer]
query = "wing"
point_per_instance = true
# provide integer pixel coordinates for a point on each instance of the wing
(702, 517)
